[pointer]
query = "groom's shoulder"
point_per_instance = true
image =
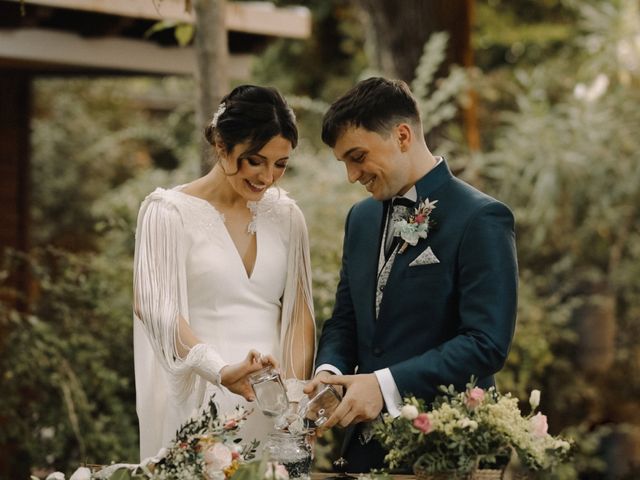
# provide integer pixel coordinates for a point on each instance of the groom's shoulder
(471, 200)
(365, 208)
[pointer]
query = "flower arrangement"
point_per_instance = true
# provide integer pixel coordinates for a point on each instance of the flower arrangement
(416, 225)
(206, 447)
(464, 431)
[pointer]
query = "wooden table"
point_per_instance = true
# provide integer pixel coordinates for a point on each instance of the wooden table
(323, 476)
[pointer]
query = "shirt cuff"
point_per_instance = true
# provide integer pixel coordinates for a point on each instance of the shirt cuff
(328, 368)
(390, 392)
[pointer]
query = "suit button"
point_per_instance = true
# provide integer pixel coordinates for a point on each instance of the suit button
(377, 351)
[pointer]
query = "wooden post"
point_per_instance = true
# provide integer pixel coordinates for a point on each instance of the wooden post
(15, 93)
(398, 32)
(212, 57)
(15, 106)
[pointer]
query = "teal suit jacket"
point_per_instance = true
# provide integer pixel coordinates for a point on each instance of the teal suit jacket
(439, 323)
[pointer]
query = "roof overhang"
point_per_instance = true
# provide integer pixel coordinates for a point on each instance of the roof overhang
(57, 51)
(261, 18)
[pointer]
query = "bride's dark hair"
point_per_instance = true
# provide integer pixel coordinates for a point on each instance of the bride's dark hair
(253, 114)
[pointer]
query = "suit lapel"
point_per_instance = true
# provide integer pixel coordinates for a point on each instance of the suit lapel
(364, 260)
(425, 188)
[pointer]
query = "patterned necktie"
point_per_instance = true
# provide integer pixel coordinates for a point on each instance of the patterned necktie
(400, 207)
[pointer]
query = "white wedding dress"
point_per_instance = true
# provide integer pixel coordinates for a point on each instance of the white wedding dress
(187, 265)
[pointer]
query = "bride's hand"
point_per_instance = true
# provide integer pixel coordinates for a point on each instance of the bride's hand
(236, 376)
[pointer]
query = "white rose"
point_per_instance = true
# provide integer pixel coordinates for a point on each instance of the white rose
(217, 457)
(409, 412)
(534, 399)
(55, 476)
(468, 423)
(83, 473)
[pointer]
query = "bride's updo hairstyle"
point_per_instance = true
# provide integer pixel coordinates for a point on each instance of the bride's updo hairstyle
(254, 115)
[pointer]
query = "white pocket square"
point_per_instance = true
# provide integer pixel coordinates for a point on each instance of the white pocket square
(425, 258)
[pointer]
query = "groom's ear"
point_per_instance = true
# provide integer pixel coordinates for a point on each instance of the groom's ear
(404, 136)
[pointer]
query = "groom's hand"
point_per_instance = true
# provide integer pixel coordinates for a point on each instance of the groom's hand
(317, 382)
(362, 401)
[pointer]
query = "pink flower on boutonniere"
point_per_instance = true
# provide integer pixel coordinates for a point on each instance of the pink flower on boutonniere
(416, 225)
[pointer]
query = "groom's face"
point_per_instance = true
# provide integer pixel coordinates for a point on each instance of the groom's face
(376, 161)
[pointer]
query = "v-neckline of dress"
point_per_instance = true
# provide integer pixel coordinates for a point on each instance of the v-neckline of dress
(247, 274)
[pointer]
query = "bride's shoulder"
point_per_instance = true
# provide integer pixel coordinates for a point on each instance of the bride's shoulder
(276, 202)
(168, 202)
(169, 197)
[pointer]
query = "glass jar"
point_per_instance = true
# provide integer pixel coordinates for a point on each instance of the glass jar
(291, 450)
(271, 395)
(319, 408)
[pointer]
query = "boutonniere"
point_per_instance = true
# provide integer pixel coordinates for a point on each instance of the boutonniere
(416, 225)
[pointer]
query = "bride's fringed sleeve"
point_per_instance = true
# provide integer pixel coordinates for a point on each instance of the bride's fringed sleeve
(160, 301)
(297, 334)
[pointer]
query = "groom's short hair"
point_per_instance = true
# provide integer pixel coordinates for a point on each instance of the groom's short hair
(376, 104)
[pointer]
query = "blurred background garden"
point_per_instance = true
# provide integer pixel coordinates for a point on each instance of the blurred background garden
(536, 102)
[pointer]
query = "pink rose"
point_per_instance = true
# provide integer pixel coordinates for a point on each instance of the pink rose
(422, 423)
(420, 218)
(539, 425)
(474, 397)
(217, 457)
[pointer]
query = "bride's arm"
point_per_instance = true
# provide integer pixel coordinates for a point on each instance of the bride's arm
(232, 376)
(298, 346)
(301, 340)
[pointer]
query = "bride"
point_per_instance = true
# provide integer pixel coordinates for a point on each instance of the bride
(222, 283)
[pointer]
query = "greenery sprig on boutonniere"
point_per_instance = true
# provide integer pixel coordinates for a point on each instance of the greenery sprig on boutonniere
(416, 225)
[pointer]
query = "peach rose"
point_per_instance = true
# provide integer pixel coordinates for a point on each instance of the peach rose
(217, 457)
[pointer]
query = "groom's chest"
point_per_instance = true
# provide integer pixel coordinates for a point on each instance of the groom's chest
(421, 273)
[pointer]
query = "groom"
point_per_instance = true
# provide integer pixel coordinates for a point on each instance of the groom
(410, 313)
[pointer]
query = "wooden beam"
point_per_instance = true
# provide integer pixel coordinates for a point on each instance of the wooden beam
(261, 18)
(52, 47)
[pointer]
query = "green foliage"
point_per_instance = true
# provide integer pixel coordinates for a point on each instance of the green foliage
(67, 363)
(91, 136)
(565, 159)
(437, 103)
(183, 32)
(523, 31)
